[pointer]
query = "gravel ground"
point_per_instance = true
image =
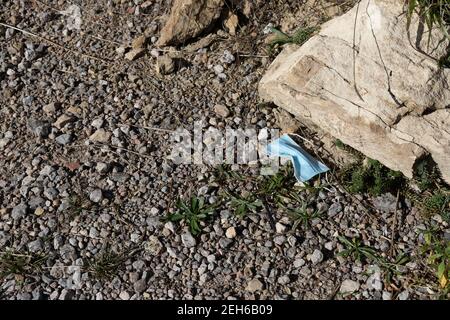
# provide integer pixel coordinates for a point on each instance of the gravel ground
(85, 180)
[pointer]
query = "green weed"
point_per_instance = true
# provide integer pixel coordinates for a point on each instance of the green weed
(243, 205)
(433, 13)
(438, 203)
(224, 173)
(355, 249)
(372, 177)
(20, 263)
(444, 61)
(106, 264)
(339, 144)
(425, 173)
(303, 215)
(281, 182)
(79, 203)
(438, 251)
(298, 37)
(192, 213)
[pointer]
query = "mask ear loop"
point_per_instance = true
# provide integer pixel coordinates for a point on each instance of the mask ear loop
(364, 206)
(317, 166)
(317, 155)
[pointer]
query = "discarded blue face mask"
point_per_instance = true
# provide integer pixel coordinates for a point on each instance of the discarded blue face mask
(305, 166)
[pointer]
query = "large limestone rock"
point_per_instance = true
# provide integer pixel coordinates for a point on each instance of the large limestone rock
(188, 19)
(367, 81)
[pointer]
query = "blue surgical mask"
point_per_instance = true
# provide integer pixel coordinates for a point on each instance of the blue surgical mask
(305, 166)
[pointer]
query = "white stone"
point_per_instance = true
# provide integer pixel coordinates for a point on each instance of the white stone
(386, 295)
(218, 69)
(254, 285)
(316, 257)
(404, 295)
(96, 196)
(221, 110)
(374, 281)
(134, 54)
(124, 295)
(188, 240)
(153, 246)
(349, 286)
(97, 123)
(299, 263)
(280, 228)
(101, 135)
(230, 233)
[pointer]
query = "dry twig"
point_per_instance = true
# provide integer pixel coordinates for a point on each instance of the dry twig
(53, 43)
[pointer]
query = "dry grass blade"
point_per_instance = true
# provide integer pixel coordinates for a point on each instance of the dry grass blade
(53, 43)
(17, 263)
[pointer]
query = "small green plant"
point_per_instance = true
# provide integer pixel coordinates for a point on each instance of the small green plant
(280, 182)
(444, 61)
(278, 186)
(355, 249)
(391, 268)
(78, 203)
(438, 251)
(425, 173)
(299, 37)
(243, 205)
(372, 177)
(303, 215)
(355, 153)
(433, 13)
(438, 203)
(302, 35)
(19, 263)
(106, 264)
(224, 173)
(192, 213)
(339, 144)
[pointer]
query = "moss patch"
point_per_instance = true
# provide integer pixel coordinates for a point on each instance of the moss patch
(372, 177)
